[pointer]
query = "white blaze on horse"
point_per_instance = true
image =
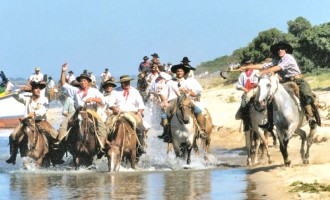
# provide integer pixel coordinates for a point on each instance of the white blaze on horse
(288, 115)
(183, 128)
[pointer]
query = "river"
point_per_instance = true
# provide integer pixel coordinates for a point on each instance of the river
(158, 176)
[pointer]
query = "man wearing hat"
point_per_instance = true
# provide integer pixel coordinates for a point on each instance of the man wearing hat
(155, 59)
(35, 107)
(128, 99)
(88, 97)
(172, 90)
(70, 77)
(145, 65)
(185, 61)
(247, 81)
(36, 77)
(104, 76)
(288, 69)
(108, 87)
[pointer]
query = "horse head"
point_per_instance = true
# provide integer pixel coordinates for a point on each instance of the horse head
(267, 87)
(184, 106)
(114, 156)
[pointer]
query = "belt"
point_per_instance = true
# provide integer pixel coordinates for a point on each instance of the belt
(296, 77)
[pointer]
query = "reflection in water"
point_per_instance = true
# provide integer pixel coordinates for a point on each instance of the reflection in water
(184, 184)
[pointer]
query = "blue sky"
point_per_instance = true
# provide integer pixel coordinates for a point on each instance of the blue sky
(100, 34)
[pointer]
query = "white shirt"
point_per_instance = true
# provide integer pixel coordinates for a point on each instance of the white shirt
(51, 84)
(105, 76)
(36, 77)
(70, 78)
(80, 97)
(242, 79)
(69, 90)
(39, 106)
(126, 103)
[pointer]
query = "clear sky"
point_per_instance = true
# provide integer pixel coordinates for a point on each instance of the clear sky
(100, 34)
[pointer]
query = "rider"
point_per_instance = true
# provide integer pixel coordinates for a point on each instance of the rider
(108, 87)
(246, 82)
(288, 69)
(128, 99)
(145, 65)
(35, 107)
(104, 77)
(88, 97)
(172, 90)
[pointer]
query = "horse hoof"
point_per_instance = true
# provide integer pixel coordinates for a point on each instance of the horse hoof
(288, 163)
(306, 161)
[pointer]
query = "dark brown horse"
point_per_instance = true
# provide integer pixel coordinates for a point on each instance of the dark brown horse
(123, 144)
(82, 141)
(142, 86)
(34, 144)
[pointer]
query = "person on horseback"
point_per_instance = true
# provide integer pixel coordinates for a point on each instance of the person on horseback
(288, 69)
(145, 65)
(87, 97)
(35, 107)
(108, 87)
(172, 90)
(155, 59)
(247, 81)
(104, 77)
(128, 99)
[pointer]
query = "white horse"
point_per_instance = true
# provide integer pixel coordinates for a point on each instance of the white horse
(288, 116)
(183, 128)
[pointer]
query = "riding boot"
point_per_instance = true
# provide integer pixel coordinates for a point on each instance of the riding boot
(141, 147)
(269, 126)
(164, 122)
(201, 123)
(13, 151)
(309, 114)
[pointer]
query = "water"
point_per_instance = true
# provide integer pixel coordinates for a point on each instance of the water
(158, 176)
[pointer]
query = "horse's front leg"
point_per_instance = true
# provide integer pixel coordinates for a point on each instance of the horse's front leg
(284, 150)
(133, 158)
(77, 162)
(189, 153)
(248, 147)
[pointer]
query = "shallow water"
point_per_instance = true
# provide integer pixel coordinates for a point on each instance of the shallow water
(158, 176)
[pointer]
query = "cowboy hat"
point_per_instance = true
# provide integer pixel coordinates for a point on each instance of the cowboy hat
(85, 76)
(124, 78)
(40, 84)
(145, 58)
(185, 60)
(70, 72)
(37, 69)
(109, 82)
(155, 55)
(186, 68)
(281, 45)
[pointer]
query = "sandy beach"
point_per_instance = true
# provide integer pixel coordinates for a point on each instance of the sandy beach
(273, 181)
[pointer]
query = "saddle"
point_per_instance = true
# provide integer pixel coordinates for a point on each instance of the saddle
(112, 120)
(293, 89)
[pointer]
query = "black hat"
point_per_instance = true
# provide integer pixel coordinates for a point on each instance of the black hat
(106, 69)
(185, 60)
(70, 72)
(145, 58)
(50, 77)
(246, 61)
(85, 76)
(124, 78)
(109, 82)
(281, 45)
(40, 84)
(186, 68)
(85, 71)
(155, 55)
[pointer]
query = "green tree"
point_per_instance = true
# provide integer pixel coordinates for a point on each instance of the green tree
(298, 26)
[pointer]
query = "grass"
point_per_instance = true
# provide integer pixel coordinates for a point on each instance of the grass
(299, 186)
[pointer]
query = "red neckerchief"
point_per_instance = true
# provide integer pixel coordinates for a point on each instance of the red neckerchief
(126, 92)
(84, 91)
(248, 82)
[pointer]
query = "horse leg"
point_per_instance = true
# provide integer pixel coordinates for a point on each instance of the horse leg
(303, 138)
(77, 162)
(256, 152)
(169, 148)
(188, 149)
(264, 138)
(248, 146)
(310, 141)
(133, 158)
(284, 150)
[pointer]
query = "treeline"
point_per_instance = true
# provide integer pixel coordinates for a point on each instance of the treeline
(311, 47)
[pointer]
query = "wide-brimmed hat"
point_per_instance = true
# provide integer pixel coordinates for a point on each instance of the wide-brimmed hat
(37, 69)
(85, 76)
(50, 77)
(70, 72)
(109, 82)
(185, 60)
(246, 61)
(124, 78)
(40, 84)
(186, 68)
(281, 45)
(155, 55)
(145, 58)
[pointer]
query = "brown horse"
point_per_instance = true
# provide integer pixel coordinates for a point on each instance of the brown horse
(142, 86)
(206, 139)
(123, 143)
(82, 141)
(34, 143)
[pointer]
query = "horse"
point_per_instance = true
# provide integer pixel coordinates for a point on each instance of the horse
(142, 85)
(34, 144)
(183, 128)
(82, 139)
(258, 116)
(123, 143)
(288, 116)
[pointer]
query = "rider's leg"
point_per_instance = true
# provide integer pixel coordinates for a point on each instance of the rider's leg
(306, 97)
(164, 122)
(200, 120)
(102, 133)
(165, 116)
(13, 143)
(62, 132)
(270, 119)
